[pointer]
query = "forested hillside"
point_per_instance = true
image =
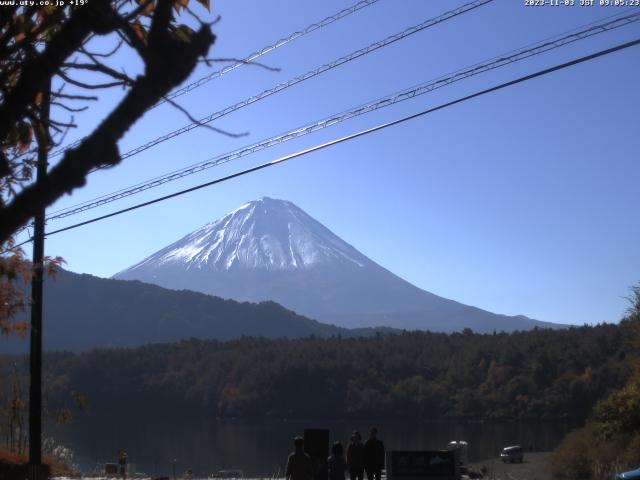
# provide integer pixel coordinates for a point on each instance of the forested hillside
(609, 442)
(541, 374)
(84, 312)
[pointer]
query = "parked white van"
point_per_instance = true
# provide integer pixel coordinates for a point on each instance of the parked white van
(512, 454)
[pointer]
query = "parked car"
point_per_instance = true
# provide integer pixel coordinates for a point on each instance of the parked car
(630, 475)
(512, 454)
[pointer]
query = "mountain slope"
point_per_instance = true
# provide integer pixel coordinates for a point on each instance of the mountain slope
(84, 312)
(272, 250)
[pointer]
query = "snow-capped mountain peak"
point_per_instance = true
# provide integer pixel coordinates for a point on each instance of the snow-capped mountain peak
(271, 250)
(264, 234)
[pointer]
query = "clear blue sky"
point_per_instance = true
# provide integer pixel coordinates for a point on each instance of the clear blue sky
(521, 202)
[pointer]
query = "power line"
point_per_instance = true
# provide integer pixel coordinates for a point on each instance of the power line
(305, 76)
(362, 109)
(421, 89)
(361, 133)
(308, 75)
(250, 58)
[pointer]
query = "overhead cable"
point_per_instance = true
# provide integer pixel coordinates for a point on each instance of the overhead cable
(305, 76)
(250, 58)
(309, 75)
(361, 133)
(283, 41)
(412, 92)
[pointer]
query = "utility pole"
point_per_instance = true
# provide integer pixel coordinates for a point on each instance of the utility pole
(35, 364)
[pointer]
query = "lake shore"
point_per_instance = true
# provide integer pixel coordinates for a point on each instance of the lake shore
(532, 468)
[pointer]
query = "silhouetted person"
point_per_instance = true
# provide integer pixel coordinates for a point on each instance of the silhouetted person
(373, 455)
(336, 462)
(299, 465)
(355, 457)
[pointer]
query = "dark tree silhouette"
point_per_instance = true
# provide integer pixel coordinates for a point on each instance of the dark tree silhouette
(40, 43)
(41, 46)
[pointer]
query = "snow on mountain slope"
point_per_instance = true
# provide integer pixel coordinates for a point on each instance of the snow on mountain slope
(264, 234)
(272, 250)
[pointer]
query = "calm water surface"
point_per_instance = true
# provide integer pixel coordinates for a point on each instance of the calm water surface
(260, 448)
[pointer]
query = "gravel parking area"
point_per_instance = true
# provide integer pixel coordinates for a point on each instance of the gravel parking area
(532, 468)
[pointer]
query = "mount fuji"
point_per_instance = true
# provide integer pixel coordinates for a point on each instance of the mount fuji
(272, 250)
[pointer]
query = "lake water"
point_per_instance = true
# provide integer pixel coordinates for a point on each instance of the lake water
(260, 448)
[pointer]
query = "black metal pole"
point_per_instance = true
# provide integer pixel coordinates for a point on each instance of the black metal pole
(35, 365)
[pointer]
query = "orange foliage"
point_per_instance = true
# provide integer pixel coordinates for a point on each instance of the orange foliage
(15, 274)
(10, 458)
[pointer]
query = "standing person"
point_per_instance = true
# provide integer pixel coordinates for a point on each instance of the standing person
(336, 462)
(299, 465)
(355, 457)
(373, 455)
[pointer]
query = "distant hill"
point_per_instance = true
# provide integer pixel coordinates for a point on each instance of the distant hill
(272, 250)
(84, 312)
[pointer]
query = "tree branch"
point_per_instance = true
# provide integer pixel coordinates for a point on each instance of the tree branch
(68, 108)
(169, 63)
(99, 67)
(91, 18)
(102, 54)
(75, 97)
(90, 86)
(200, 124)
(207, 61)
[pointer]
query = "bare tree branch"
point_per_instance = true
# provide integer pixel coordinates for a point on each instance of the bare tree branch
(91, 86)
(102, 54)
(239, 60)
(55, 123)
(69, 109)
(98, 67)
(200, 124)
(75, 97)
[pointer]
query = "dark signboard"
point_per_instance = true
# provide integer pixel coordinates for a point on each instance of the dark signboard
(422, 464)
